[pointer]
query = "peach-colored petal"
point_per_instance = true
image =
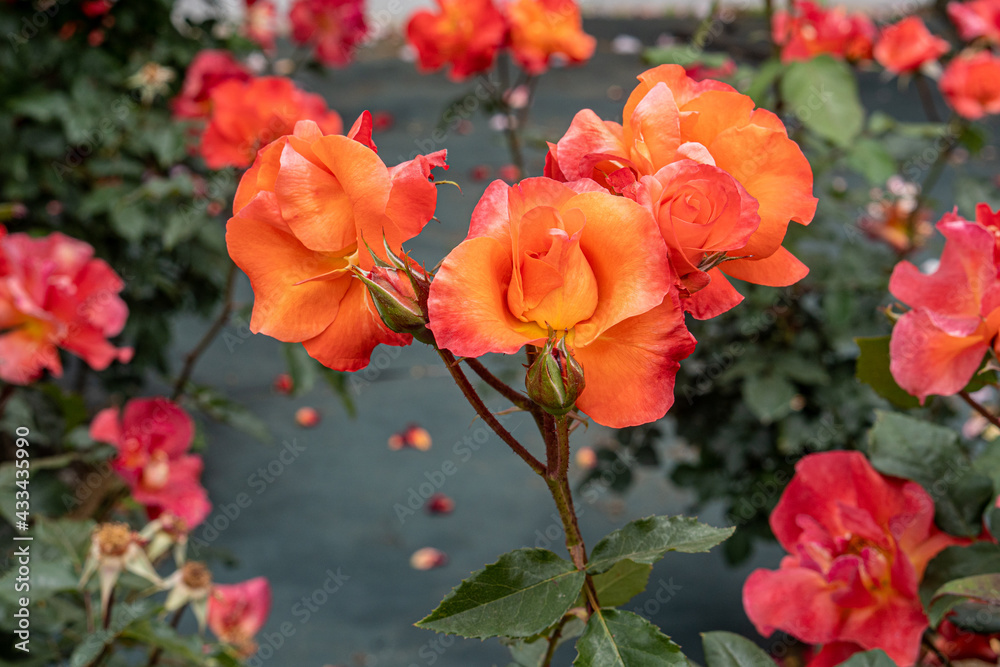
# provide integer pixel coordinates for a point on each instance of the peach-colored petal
(628, 257)
(778, 270)
(630, 368)
(468, 308)
(287, 304)
(348, 342)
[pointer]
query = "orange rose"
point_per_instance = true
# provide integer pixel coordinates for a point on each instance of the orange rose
(541, 29)
(702, 211)
(591, 266)
(301, 216)
(671, 117)
(971, 85)
(465, 34)
(246, 115)
(908, 45)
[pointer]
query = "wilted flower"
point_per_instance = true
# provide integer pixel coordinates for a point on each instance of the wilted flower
(190, 585)
(151, 80)
(115, 548)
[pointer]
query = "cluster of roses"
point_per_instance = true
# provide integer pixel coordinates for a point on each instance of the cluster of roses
(632, 225)
(55, 295)
(331, 28)
(970, 82)
(858, 545)
(242, 112)
(234, 612)
(468, 35)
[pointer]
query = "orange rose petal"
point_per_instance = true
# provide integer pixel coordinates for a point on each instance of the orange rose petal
(779, 270)
(774, 171)
(468, 309)
(275, 261)
(714, 299)
(628, 257)
(348, 342)
(630, 368)
(413, 198)
(313, 204)
(654, 129)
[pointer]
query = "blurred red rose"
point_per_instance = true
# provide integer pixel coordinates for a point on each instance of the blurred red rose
(208, 69)
(465, 34)
(908, 45)
(332, 27)
(971, 84)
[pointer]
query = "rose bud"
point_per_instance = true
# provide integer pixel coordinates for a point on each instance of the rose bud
(439, 504)
(555, 379)
(399, 291)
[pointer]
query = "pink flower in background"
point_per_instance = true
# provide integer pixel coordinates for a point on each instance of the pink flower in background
(333, 27)
(908, 45)
(208, 69)
(971, 85)
(858, 543)
(237, 612)
(260, 23)
(975, 19)
(54, 294)
(937, 347)
(152, 436)
(808, 30)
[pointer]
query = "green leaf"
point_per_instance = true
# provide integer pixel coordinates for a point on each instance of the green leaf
(683, 55)
(157, 634)
(303, 368)
(90, 648)
(725, 649)
(951, 564)
(874, 658)
(761, 87)
(520, 595)
(621, 583)
(616, 638)
(648, 540)
(980, 587)
(769, 397)
(871, 159)
(823, 94)
(931, 456)
(873, 370)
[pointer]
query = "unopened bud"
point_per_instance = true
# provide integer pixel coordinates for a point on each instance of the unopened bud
(400, 296)
(555, 379)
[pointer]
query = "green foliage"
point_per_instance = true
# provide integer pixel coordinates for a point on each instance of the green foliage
(823, 94)
(520, 595)
(616, 638)
(873, 370)
(931, 455)
(648, 540)
(725, 649)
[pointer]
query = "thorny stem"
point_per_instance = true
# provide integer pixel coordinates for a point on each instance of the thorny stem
(511, 131)
(192, 357)
(990, 417)
(505, 390)
(484, 413)
(557, 478)
(926, 98)
(553, 640)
